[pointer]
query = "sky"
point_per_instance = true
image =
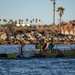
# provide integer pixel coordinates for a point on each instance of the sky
(40, 9)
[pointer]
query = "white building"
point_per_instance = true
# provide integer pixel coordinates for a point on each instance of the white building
(22, 25)
(18, 25)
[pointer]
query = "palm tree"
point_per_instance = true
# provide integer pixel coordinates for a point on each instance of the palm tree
(15, 22)
(5, 21)
(20, 21)
(11, 21)
(0, 21)
(39, 21)
(36, 22)
(31, 23)
(54, 2)
(26, 20)
(61, 11)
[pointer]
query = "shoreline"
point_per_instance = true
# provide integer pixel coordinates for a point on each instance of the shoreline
(33, 42)
(30, 35)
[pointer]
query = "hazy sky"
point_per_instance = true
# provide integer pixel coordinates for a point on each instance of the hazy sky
(32, 9)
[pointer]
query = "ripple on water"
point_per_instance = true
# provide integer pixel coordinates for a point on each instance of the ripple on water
(41, 66)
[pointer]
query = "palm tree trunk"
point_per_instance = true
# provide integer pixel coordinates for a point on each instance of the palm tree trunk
(60, 24)
(0, 21)
(54, 2)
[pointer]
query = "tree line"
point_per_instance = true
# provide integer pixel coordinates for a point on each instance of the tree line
(20, 21)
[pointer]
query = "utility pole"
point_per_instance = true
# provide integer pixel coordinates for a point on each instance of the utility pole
(54, 2)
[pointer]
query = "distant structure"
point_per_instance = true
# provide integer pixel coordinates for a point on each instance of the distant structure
(18, 25)
(22, 25)
(69, 28)
(72, 22)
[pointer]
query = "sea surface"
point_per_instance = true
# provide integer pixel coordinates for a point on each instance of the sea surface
(35, 66)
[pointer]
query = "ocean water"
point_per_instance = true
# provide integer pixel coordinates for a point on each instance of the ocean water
(35, 66)
(15, 48)
(40, 66)
(64, 46)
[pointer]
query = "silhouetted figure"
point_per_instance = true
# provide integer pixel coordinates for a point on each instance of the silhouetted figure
(45, 46)
(51, 45)
(38, 46)
(21, 47)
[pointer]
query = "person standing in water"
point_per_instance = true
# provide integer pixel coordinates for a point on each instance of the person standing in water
(38, 46)
(51, 45)
(21, 45)
(45, 46)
